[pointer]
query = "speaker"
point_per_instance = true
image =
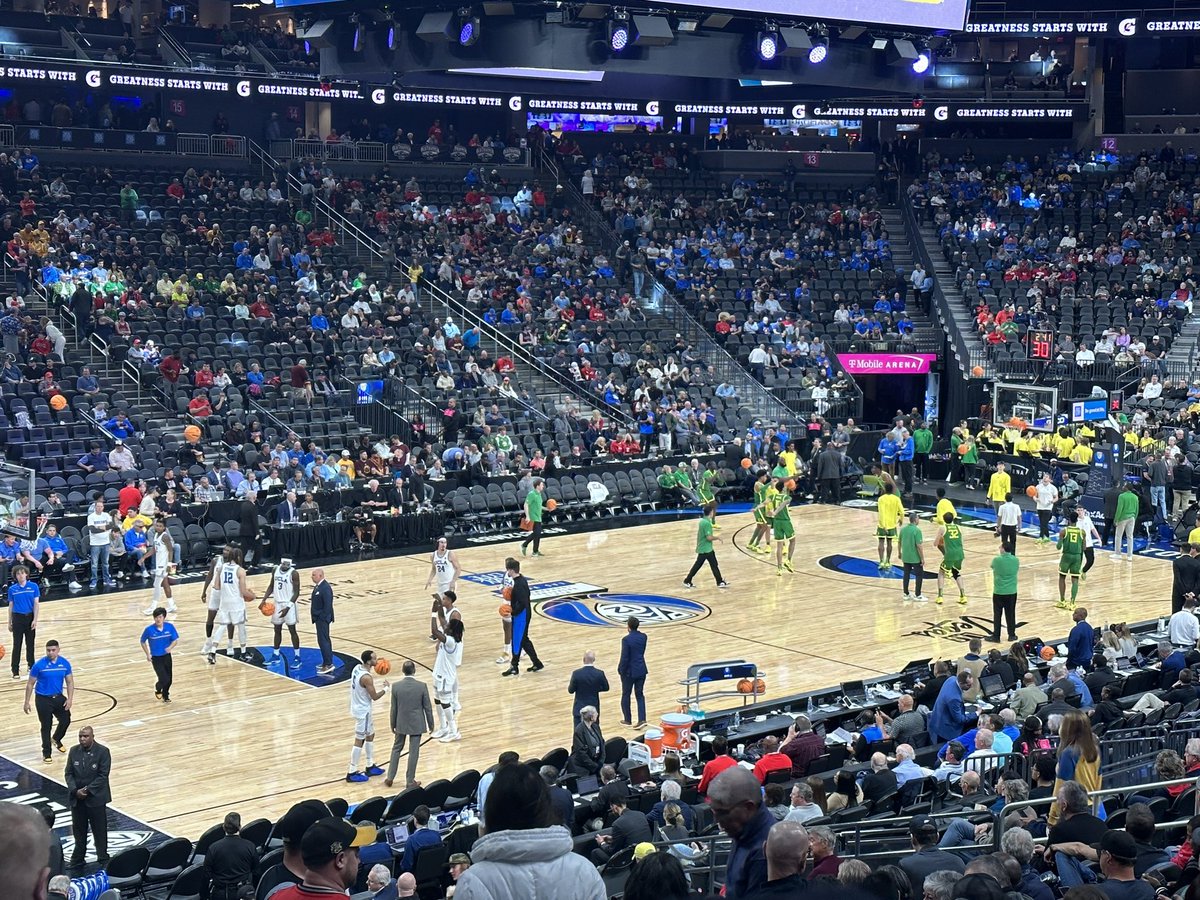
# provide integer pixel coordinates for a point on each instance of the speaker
(318, 34)
(901, 52)
(437, 26)
(652, 31)
(796, 41)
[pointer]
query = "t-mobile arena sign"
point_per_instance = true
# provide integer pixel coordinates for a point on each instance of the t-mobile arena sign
(887, 363)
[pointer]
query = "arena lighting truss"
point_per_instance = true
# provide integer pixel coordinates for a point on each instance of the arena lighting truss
(619, 32)
(921, 64)
(767, 43)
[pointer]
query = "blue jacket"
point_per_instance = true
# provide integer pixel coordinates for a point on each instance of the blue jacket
(587, 684)
(322, 602)
(422, 837)
(633, 656)
(887, 451)
(907, 449)
(948, 717)
(1080, 644)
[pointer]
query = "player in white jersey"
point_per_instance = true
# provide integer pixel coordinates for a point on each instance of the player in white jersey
(284, 589)
(443, 566)
(164, 552)
(211, 595)
(233, 594)
(446, 613)
(445, 680)
(363, 693)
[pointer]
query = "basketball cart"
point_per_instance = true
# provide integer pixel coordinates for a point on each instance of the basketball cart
(721, 678)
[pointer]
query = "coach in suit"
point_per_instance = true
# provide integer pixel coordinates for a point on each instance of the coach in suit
(321, 606)
(289, 510)
(587, 684)
(248, 528)
(88, 768)
(587, 745)
(949, 717)
(632, 670)
(411, 716)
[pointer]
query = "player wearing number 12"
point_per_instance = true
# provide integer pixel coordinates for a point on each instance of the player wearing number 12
(1070, 562)
(891, 514)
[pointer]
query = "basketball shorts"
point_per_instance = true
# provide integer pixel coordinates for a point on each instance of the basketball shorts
(1070, 565)
(229, 614)
(443, 688)
(952, 566)
(706, 498)
(287, 618)
(443, 586)
(783, 529)
(213, 600)
(881, 532)
(160, 575)
(760, 518)
(364, 725)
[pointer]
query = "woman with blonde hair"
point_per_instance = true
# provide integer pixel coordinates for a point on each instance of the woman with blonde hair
(1078, 758)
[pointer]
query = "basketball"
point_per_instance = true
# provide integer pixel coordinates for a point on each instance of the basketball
(267, 608)
(963, 449)
(382, 666)
(1031, 491)
(1048, 652)
(192, 433)
(3, 650)
(505, 611)
(59, 402)
(745, 686)
(745, 462)
(552, 504)
(760, 686)
(791, 484)
(507, 592)
(977, 371)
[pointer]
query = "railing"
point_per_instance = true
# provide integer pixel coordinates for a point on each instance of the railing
(378, 152)
(232, 146)
(388, 418)
(8, 137)
(968, 359)
(724, 366)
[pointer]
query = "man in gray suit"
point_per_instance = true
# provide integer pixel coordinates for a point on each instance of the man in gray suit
(411, 717)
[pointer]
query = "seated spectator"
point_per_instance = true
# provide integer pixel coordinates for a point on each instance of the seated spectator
(422, 836)
(772, 760)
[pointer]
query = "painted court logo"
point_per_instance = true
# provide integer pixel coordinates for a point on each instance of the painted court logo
(961, 630)
(862, 568)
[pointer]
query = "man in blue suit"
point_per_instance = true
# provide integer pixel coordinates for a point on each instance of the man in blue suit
(632, 670)
(289, 509)
(949, 716)
(423, 836)
(321, 608)
(587, 684)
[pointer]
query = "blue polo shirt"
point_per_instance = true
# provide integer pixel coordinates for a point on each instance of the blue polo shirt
(8, 552)
(160, 639)
(49, 676)
(22, 597)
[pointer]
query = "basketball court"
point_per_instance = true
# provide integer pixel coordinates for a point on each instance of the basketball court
(239, 736)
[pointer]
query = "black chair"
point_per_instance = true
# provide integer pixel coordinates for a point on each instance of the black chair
(167, 861)
(462, 789)
(779, 776)
(190, 884)
(556, 758)
(404, 803)
(850, 814)
(370, 811)
(429, 865)
(338, 807)
(616, 872)
(614, 750)
(210, 837)
(126, 868)
(274, 858)
(258, 833)
(461, 839)
(436, 793)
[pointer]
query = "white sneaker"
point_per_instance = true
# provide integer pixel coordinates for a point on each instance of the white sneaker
(1114, 556)
(438, 735)
(75, 587)
(207, 648)
(908, 597)
(503, 660)
(448, 738)
(171, 607)
(921, 598)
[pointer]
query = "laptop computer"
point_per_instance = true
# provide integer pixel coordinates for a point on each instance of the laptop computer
(397, 836)
(639, 775)
(589, 784)
(992, 687)
(855, 691)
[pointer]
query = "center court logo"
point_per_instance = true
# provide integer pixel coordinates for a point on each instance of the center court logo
(862, 568)
(612, 610)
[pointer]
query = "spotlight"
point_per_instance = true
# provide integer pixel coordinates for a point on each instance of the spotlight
(391, 37)
(767, 43)
(468, 28)
(820, 45)
(920, 65)
(618, 31)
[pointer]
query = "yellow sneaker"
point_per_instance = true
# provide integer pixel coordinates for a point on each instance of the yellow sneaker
(1062, 604)
(779, 571)
(939, 601)
(962, 599)
(787, 564)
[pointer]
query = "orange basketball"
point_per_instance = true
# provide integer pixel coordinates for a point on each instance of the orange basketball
(3, 650)
(382, 666)
(977, 371)
(791, 484)
(1031, 491)
(192, 433)
(760, 686)
(745, 462)
(1048, 652)
(267, 608)
(963, 449)
(59, 402)
(507, 592)
(552, 504)
(745, 686)
(505, 610)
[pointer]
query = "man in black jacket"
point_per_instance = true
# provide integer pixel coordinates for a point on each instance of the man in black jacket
(629, 829)
(1185, 577)
(248, 528)
(880, 782)
(230, 861)
(587, 684)
(560, 798)
(321, 609)
(522, 614)
(88, 768)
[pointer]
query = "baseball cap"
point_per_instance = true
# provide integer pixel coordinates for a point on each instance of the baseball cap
(1120, 845)
(459, 859)
(345, 453)
(292, 825)
(642, 850)
(328, 837)
(922, 825)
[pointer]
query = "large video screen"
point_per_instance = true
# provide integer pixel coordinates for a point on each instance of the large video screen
(931, 14)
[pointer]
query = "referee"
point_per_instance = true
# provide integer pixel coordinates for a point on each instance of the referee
(158, 640)
(50, 679)
(24, 601)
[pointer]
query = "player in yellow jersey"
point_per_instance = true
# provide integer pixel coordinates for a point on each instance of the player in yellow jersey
(891, 514)
(776, 504)
(760, 541)
(944, 506)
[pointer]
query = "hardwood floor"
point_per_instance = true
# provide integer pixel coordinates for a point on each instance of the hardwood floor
(240, 737)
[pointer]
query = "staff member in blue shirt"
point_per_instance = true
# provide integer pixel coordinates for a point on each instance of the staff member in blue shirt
(24, 601)
(158, 640)
(906, 449)
(54, 685)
